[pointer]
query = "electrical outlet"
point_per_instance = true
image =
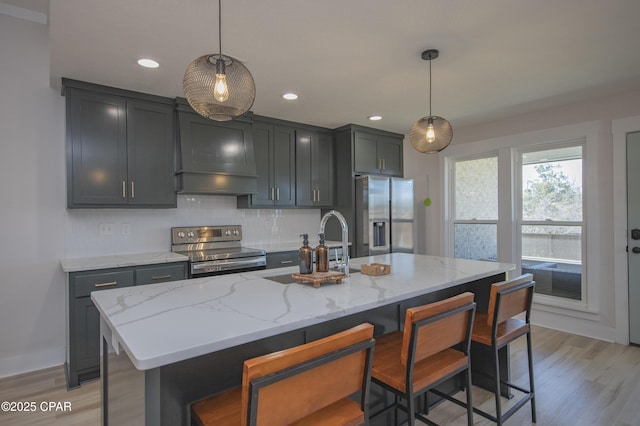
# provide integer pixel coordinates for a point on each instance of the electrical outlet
(106, 229)
(126, 229)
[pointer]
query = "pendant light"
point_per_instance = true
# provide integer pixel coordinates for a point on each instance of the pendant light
(218, 86)
(430, 134)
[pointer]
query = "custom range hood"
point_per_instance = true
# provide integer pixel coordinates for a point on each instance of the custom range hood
(214, 157)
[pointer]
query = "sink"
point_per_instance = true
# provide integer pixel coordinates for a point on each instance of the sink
(288, 279)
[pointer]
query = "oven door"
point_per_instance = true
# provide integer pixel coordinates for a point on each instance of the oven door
(225, 266)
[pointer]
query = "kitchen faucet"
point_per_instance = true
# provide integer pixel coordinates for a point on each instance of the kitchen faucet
(343, 265)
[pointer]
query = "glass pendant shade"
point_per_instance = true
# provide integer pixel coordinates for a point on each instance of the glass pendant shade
(219, 87)
(421, 139)
(430, 134)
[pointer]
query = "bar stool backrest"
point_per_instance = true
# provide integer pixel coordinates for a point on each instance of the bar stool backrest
(283, 387)
(512, 302)
(438, 335)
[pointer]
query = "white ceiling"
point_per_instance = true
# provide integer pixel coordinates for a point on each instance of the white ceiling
(348, 59)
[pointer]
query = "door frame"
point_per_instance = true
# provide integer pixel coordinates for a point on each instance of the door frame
(620, 128)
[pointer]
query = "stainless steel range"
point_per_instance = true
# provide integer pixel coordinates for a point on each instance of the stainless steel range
(214, 250)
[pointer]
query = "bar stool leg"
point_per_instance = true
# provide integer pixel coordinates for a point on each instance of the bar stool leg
(531, 386)
(411, 410)
(497, 389)
(469, 404)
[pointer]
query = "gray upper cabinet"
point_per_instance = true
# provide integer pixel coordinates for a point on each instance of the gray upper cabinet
(314, 168)
(375, 153)
(120, 149)
(358, 151)
(274, 147)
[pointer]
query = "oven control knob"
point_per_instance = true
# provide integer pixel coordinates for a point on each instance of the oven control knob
(190, 234)
(236, 232)
(227, 232)
(180, 234)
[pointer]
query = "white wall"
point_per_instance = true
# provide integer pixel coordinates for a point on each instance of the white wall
(32, 194)
(36, 228)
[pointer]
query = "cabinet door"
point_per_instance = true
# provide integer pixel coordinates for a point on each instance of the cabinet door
(87, 335)
(305, 193)
(150, 148)
(323, 180)
(284, 166)
(390, 152)
(365, 154)
(96, 149)
(263, 148)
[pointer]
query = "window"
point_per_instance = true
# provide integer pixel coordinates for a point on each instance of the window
(551, 226)
(475, 208)
(533, 199)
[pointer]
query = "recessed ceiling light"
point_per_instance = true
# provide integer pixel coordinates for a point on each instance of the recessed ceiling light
(375, 117)
(148, 63)
(290, 96)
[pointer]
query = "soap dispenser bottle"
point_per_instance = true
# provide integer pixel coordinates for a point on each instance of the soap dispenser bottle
(304, 256)
(322, 255)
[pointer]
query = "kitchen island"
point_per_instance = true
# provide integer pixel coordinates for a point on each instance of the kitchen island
(167, 345)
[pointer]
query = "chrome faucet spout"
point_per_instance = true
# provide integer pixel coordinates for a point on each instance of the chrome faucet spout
(343, 265)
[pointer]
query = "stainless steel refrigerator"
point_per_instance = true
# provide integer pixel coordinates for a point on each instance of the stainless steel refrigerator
(383, 215)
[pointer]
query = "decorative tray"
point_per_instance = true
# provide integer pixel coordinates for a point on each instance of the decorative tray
(376, 269)
(318, 278)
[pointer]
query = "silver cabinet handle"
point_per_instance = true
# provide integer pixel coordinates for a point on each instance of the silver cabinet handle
(278, 194)
(272, 196)
(124, 189)
(133, 189)
(384, 164)
(110, 283)
(160, 277)
(286, 261)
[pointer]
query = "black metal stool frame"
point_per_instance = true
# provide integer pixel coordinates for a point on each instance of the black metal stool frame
(408, 394)
(499, 418)
(269, 379)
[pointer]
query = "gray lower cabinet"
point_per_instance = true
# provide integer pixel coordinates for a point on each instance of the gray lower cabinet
(282, 259)
(314, 169)
(275, 148)
(120, 149)
(83, 346)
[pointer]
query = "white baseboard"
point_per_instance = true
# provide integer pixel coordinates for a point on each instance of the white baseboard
(31, 362)
(574, 325)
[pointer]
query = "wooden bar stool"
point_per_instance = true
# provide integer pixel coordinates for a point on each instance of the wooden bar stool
(497, 328)
(411, 362)
(308, 384)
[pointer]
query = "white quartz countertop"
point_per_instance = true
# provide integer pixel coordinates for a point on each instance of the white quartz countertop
(134, 259)
(159, 324)
(118, 261)
(278, 246)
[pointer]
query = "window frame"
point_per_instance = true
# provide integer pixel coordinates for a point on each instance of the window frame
(452, 206)
(546, 146)
(595, 267)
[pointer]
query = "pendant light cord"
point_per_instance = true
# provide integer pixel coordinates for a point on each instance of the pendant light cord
(220, 27)
(430, 87)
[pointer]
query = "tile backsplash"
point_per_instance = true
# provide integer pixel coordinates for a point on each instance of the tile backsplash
(96, 232)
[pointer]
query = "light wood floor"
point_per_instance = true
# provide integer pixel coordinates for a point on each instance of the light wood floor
(579, 381)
